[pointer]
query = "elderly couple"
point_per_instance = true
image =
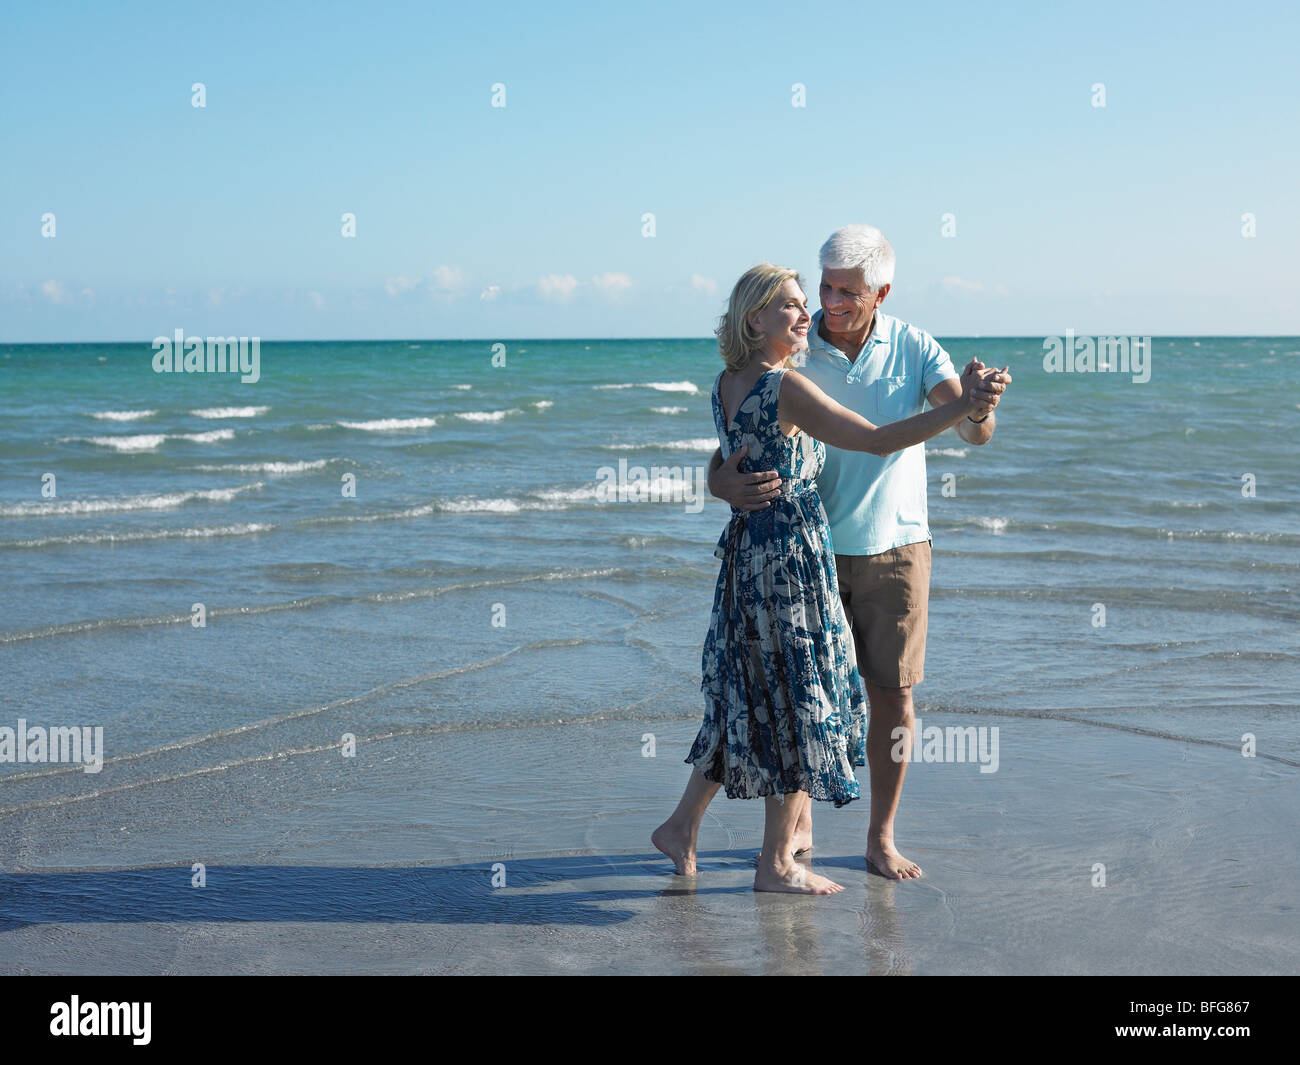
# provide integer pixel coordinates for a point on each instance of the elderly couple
(827, 409)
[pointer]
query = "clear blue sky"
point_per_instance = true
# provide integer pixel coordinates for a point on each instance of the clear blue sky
(483, 222)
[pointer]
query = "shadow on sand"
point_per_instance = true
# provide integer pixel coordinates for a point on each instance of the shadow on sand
(535, 892)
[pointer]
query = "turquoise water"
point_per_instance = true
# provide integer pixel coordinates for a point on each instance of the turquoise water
(477, 580)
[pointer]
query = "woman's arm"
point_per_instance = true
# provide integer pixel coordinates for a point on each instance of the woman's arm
(803, 404)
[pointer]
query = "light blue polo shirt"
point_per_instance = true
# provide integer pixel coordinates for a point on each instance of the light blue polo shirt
(874, 504)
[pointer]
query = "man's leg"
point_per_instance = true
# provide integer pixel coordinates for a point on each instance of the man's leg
(891, 708)
(886, 602)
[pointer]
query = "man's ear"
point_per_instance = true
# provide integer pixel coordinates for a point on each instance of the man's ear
(880, 295)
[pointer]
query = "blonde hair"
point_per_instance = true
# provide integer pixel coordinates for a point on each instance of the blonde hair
(757, 287)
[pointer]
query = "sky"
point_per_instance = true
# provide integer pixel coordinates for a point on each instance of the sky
(529, 220)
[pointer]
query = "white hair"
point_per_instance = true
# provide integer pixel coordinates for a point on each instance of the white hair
(862, 248)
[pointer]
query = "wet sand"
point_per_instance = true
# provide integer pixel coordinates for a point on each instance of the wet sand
(385, 863)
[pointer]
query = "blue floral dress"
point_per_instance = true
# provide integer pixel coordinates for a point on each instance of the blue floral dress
(785, 707)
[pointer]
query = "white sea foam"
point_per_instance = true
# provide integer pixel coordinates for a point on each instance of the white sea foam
(463, 388)
(548, 500)
(209, 437)
(265, 467)
(153, 441)
(700, 443)
(951, 452)
(162, 501)
(661, 489)
(390, 425)
(486, 415)
(123, 415)
(567, 495)
(661, 386)
(230, 412)
(150, 442)
(136, 537)
(670, 410)
(542, 404)
(994, 525)
(479, 506)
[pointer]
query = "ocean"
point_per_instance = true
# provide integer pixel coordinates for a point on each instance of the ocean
(407, 545)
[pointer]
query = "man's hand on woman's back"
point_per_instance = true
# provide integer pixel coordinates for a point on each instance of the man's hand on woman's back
(744, 491)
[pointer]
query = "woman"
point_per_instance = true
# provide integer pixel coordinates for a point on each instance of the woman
(785, 713)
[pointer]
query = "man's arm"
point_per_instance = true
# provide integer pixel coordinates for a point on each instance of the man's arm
(990, 391)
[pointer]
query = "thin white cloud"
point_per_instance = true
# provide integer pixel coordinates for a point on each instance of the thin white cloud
(490, 293)
(54, 291)
(396, 286)
(704, 284)
(558, 287)
(446, 279)
(960, 284)
(612, 285)
(317, 300)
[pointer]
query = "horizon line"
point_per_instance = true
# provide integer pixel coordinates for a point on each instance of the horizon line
(515, 340)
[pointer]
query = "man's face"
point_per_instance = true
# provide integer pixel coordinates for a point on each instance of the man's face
(847, 303)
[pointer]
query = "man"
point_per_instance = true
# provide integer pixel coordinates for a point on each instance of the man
(885, 370)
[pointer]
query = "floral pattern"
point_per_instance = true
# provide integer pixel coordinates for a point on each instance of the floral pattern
(785, 707)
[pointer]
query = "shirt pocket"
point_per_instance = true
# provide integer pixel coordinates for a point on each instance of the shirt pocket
(892, 399)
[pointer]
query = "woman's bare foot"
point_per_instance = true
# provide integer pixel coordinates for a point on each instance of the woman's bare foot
(801, 844)
(793, 879)
(884, 860)
(678, 844)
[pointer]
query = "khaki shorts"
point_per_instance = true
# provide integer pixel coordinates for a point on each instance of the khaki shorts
(887, 603)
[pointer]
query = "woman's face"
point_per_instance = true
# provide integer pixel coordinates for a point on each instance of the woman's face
(783, 323)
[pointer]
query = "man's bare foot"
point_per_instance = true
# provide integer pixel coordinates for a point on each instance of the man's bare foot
(793, 879)
(678, 845)
(884, 860)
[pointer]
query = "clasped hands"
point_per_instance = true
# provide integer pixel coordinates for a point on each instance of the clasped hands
(984, 385)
